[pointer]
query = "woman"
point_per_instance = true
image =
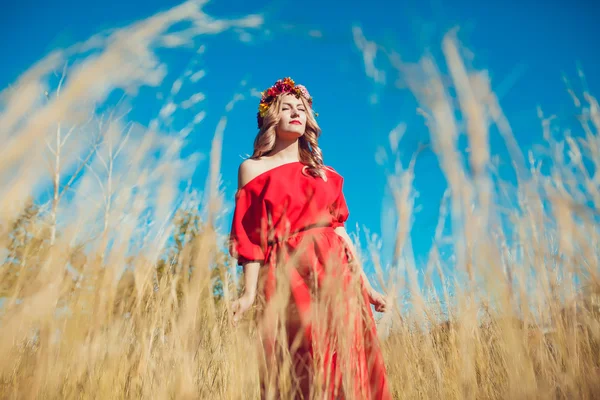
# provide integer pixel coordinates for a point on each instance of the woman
(288, 229)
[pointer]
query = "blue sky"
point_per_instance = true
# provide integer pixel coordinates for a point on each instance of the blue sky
(525, 46)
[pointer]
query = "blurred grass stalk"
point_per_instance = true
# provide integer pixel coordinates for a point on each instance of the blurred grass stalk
(109, 293)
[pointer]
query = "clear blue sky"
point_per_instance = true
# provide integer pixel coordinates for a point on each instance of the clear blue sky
(526, 47)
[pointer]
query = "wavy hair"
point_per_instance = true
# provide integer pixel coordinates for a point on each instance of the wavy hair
(309, 151)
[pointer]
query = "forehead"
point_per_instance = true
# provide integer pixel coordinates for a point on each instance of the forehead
(291, 99)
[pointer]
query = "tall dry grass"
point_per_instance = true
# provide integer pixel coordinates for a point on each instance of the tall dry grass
(108, 292)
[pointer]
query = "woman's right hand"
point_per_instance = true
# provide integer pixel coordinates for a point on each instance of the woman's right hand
(240, 306)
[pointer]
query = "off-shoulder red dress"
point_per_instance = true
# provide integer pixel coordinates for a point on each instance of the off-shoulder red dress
(286, 212)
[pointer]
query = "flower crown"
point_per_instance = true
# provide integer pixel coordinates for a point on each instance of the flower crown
(282, 86)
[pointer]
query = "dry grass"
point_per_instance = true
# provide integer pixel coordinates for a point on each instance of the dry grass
(106, 296)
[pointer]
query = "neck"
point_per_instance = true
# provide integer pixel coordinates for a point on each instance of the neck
(285, 150)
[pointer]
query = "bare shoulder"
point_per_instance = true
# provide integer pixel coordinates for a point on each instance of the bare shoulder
(248, 170)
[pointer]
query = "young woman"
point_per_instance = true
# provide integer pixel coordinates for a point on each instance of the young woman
(288, 230)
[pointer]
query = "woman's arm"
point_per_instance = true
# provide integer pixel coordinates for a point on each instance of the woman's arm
(242, 304)
(251, 270)
(342, 232)
(376, 298)
(246, 172)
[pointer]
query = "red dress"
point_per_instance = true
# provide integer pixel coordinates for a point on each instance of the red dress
(286, 214)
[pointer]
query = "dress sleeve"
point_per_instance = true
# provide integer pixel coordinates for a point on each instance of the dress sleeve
(340, 208)
(245, 240)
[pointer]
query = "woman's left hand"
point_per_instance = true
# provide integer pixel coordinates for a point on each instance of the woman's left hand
(378, 300)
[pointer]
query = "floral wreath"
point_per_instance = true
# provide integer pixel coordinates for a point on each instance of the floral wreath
(285, 85)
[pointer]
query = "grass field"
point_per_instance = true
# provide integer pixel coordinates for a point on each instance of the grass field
(107, 295)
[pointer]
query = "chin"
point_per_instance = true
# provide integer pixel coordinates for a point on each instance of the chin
(292, 133)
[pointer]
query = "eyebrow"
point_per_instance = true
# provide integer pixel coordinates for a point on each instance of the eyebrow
(291, 104)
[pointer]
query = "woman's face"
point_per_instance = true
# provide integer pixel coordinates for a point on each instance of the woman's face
(292, 117)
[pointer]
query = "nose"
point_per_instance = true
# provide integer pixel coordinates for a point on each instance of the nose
(295, 112)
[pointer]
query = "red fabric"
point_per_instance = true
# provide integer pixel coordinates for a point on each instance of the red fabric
(284, 210)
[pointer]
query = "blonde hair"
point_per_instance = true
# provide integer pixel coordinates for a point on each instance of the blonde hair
(309, 151)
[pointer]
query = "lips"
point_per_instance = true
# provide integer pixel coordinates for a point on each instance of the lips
(295, 123)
